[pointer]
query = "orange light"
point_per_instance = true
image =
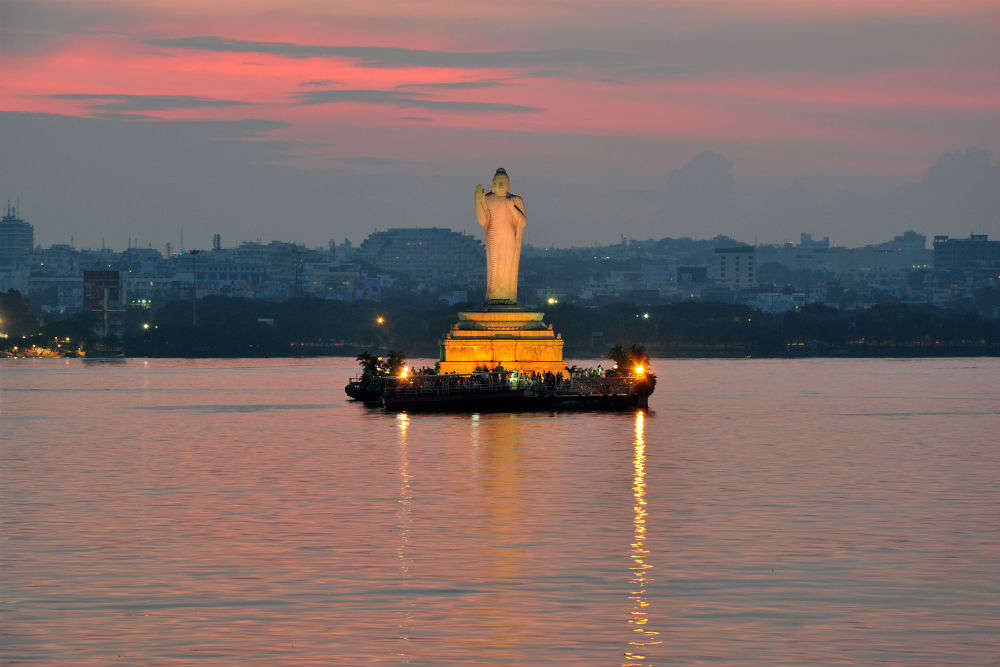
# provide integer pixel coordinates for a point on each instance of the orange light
(379, 320)
(403, 373)
(639, 370)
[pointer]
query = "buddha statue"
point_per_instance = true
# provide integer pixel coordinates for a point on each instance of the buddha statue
(502, 217)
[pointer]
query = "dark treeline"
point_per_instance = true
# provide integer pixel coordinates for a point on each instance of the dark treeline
(714, 329)
(226, 327)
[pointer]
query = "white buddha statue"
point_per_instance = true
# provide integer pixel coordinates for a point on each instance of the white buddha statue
(502, 217)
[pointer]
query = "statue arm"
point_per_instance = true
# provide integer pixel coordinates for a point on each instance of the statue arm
(520, 215)
(482, 213)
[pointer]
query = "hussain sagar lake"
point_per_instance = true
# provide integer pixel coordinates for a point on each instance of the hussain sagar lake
(760, 512)
(755, 512)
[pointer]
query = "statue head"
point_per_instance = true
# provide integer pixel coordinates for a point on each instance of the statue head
(501, 182)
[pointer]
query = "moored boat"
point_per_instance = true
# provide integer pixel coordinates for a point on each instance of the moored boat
(504, 391)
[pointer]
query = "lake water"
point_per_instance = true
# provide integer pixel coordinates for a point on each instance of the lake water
(243, 512)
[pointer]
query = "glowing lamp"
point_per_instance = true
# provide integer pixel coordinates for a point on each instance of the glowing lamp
(145, 327)
(639, 370)
(403, 373)
(379, 320)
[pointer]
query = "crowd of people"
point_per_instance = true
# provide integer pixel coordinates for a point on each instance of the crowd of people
(501, 379)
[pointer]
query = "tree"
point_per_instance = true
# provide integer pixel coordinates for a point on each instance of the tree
(394, 363)
(369, 365)
(629, 358)
(15, 315)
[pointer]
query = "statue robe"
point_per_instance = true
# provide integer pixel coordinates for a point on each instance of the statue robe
(503, 220)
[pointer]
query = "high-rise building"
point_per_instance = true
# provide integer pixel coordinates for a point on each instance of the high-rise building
(102, 295)
(735, 267)
(17, 238)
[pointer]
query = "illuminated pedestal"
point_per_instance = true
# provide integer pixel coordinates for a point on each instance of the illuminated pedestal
(516, 340)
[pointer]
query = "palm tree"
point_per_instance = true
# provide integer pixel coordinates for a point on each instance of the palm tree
(369, 365)
(629, 358)
(394, 363)
(620, 356)
(639, 356)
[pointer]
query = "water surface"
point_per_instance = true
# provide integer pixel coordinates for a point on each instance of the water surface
(210, 512)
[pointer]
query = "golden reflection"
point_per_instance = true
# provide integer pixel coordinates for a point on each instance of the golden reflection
(502, 555)
(403, 520)
(638, 615)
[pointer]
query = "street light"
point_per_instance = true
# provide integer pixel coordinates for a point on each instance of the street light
(145, 326)
(552, 301)
(380, 320)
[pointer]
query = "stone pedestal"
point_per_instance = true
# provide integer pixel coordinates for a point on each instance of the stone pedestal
(515, 339)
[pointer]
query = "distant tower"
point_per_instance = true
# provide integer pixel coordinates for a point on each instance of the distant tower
(170, 249)
(216, 242)
(17, 238)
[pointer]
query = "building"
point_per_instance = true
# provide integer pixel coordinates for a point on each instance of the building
(102, 295)
(17, 238)
(974, 254)
(56, 293)
(432, 254)
(692, 274)
(735, 267)
(907, 241)
(807, 241)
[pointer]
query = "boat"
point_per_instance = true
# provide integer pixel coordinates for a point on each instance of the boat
(364, 389)
(511, 392)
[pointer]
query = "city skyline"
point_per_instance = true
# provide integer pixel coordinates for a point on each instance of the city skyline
(216, 241)
(327, 121)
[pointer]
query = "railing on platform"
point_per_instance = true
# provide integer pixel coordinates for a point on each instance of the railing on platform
(496, 383)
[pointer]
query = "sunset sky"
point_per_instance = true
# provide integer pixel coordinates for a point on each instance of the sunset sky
(333, 119)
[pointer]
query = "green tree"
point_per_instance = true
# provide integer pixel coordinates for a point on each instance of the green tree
(369, 365)
(16, 318)
(394, 363)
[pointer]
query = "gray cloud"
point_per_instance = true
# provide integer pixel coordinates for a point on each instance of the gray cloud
(417, 118)
(33, 27)
(111, 115)
(396, 98)
(925, 120)
(317, 82)
(231, 177)
(377, 56)
(819, 46)
(125, 103)
(244, 128)
(548, 73)
(453, 85)
(661, 49)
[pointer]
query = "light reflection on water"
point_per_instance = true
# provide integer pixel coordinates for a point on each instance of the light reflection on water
(639, 645)
(244, 512)
(405, 509)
